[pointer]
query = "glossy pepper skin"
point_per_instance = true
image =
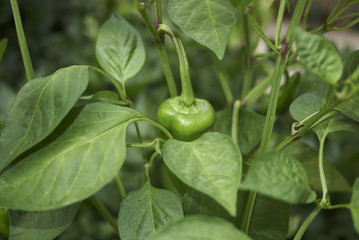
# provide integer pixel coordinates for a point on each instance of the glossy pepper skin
(186, 123)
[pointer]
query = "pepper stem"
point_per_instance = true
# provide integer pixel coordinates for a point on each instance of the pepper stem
(187, 95)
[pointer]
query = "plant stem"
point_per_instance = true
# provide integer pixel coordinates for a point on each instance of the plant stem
(306, 14)
(187, 95)
(251, 199)
(223, 81)
(163, 129)
(160, 47)
(279, 22)
(104, 212)
(256, 92)
(22, 41)
(306, 223)
(120, 186)
(323, 182)
(248, 77)
(234, 128)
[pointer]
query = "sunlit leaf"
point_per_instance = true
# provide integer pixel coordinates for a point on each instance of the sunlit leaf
(38, 108)
(211, 164)
(85, 153)
(119, 49)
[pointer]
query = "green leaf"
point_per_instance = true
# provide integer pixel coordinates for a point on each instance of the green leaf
(250, 127)
(3, 44)
(119, 49)
(107, 96)
(319, 56)
(350, 63)
(208, 22)
(200, 228)
(350, 108)
(305, 105)
(309, 159)
(41, 225)
(279, 176)
(335, 123)
(354, 205)
(38, 109)
(211, 164)
(270, 219)
(146, 210)
(85, 153)
(4, 223)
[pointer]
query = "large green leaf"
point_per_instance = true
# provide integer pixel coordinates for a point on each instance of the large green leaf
(279, 176)
(319, 56)
(309, 159)
(44, 225)
(354, 205)
(3, 44)
(146, 210)
(211, 164)
(209, 22)
(119, 49)
(38, 108)
(250, 127)
(86, 151)
(200, 228)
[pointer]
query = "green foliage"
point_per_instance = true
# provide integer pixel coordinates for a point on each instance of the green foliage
(208, 22)
(82, 151)
(150, 208)
(279, 176)
(199, 227)
(210, 164)
(119, 49)
(319, 56)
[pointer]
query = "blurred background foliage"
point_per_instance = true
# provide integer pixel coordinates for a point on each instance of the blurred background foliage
(63, 33)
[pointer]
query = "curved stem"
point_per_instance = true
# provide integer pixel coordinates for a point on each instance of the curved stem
(234, 129)
(160, 47)
(104, 212)
(163, 129)
(306, 223)
(120, 186)
(187, 95)
(323, 182)
(223, 81)
(251, 199)
(29, 70)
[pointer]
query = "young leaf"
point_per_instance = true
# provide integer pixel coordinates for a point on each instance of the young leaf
(209, 22)
(319, 56)
(250, 127)
(146, 210)
(305, 105)
(107, 96)
(85, 152)
(45, 225)
(3, 44)
(211, 164)
(119, 49)
(309, 159)
(279, 176)
(38, 108)
(200, 228)
(354, 205)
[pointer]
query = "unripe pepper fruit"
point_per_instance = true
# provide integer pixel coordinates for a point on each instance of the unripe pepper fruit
(186, 123)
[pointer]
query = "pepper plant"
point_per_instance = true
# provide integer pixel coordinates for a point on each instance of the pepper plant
(235, 168)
